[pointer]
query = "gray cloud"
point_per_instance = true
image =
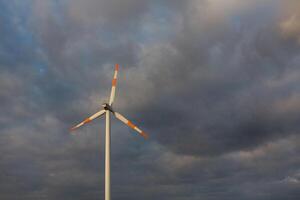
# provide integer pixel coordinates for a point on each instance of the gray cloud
(289, 23)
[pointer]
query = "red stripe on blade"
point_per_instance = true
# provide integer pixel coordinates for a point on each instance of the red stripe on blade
(131, 125)
(114, 82)
(87, 120)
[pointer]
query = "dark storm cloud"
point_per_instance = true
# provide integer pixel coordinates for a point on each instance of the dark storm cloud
(214, 83)
(222, 94)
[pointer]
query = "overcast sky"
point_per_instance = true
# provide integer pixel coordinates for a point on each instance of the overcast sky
(215, 84)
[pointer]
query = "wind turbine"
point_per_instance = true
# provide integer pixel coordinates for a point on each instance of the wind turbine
(107, 109)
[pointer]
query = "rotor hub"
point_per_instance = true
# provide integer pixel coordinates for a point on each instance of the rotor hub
(106, 106)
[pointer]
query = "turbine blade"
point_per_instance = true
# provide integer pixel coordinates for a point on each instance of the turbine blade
(89, 119)
(114, 83)
(130, 124)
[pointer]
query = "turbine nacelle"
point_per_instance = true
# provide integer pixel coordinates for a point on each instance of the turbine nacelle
(106, 106)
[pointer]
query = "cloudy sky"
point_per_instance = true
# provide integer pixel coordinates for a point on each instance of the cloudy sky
(215, 84)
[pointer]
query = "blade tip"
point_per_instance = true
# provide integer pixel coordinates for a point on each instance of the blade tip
(117, 67)
(145, 135)
(72, 129)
